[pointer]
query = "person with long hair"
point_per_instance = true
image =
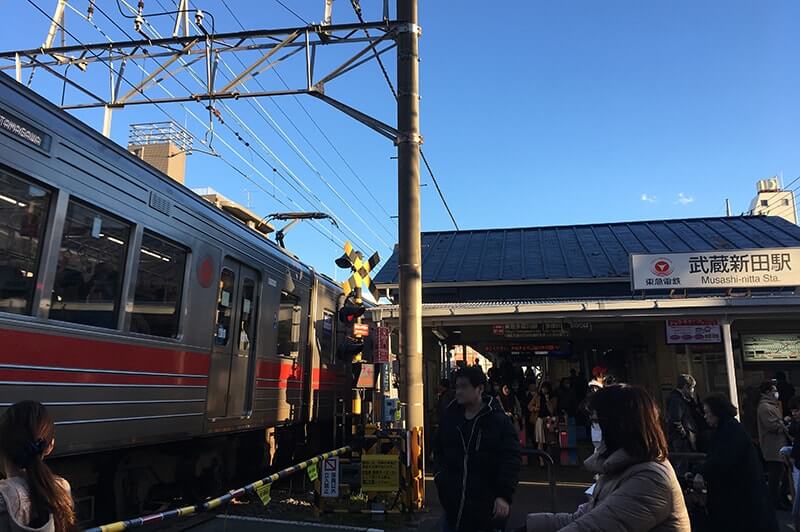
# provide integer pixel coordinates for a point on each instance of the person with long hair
(31, 496)
(636, 488)
(737, 498)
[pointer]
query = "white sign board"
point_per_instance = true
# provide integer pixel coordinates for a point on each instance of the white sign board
(691, 331)
(330, 477)
(771, 347)
(744, 268)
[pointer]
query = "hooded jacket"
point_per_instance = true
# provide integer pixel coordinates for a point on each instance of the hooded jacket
(630, 496)
(476, 462)
(772, 433)
(15, 507)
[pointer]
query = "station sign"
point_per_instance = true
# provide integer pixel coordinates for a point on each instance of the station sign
(381, 355)
(693, 331)
(744, 268)
(771, 347)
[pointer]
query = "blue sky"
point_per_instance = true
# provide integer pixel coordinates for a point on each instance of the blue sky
(533, 113)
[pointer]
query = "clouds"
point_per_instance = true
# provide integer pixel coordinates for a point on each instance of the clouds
(682, 199)
(649, 198)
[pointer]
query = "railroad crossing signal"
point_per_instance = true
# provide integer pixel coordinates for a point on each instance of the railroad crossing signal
(361, 270)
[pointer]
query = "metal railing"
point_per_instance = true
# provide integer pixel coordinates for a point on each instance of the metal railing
(219, 501)
(551, 479)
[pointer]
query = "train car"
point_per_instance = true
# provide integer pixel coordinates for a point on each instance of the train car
(172, 344)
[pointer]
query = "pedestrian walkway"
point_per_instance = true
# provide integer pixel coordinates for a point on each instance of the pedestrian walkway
(532, 495)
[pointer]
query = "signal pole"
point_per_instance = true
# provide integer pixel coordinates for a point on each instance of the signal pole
(408, 142)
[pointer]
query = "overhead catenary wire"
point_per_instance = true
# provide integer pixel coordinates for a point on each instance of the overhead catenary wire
(357, 8)
(293, 12)
(341, 224)
(317, 126)
(321, 229)
(264, 114)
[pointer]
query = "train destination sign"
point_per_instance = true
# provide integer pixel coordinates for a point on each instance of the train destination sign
(22, 130)
(748, 268)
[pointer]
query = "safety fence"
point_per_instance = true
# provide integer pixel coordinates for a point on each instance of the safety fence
(219, 501)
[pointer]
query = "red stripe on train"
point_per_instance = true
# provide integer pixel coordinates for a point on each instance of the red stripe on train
(82, 377)
(40, 349)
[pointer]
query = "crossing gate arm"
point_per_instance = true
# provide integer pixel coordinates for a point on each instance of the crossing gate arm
(219, 501)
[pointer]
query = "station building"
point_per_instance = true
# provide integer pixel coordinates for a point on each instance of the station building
(561, 298)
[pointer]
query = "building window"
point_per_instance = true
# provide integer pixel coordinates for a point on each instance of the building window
(91, 264)
(288, 326)
(159, 284)
(326, 336)
(224, 307)
(23, 217)
(764, 203)
(786, 201)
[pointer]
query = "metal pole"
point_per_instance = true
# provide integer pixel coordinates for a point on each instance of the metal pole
(107, 110)
(408, 141)
(729, 365)
(18, 64)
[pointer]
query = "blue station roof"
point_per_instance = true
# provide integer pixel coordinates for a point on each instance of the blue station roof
(595, 251)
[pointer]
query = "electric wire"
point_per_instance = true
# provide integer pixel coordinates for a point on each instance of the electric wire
(320, 229)
(264, 114)
(316, 125)
(340, 223)
(357, 8)
(290, 10)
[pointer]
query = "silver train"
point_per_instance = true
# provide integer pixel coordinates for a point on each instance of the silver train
(173, 345)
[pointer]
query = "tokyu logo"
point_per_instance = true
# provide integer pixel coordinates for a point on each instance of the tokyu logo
(661, 267)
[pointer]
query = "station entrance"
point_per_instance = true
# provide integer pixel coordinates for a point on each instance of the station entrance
(642, 341)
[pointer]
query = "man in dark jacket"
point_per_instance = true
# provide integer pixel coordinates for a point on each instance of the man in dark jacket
(477, 454)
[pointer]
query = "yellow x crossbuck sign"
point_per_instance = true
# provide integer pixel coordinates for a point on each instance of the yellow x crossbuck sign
(361, 271)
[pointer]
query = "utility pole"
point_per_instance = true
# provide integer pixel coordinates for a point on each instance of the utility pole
(408, 141)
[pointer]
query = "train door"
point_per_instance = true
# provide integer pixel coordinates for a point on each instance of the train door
(232, 359)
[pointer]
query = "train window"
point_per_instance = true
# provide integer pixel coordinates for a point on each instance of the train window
(288, 326)
(227, 282)
(246, 315)
(159, 283)
(90, 268)
(23, 217)
(326, 336)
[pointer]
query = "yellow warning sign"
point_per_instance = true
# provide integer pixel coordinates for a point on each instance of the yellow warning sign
(264, 493)
(380, 472)
(313, 474)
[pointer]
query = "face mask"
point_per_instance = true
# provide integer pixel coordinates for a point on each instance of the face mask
(597, 435)
(777, 395)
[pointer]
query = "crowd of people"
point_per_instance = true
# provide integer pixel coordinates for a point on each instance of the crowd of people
(643, 461)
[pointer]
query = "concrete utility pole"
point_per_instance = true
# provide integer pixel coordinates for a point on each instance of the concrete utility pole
(408, 141)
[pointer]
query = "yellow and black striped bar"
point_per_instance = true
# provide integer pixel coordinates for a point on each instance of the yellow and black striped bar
(219, 501)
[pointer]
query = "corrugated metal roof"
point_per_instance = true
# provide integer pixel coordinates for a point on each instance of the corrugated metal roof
(595, 251)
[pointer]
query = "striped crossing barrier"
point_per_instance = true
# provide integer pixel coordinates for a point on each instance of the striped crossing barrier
(219, 501)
